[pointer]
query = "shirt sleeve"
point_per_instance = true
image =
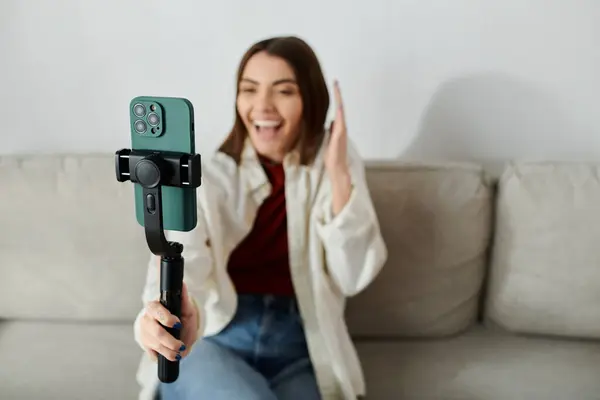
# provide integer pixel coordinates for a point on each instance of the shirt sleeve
(355, 250)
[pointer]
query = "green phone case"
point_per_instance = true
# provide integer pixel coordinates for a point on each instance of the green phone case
(165, 124)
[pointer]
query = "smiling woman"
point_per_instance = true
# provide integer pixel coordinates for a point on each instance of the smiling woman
(282, 101)
(286, 231)
(270, 105)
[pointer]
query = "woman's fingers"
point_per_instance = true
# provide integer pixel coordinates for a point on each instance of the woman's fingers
(160, 313)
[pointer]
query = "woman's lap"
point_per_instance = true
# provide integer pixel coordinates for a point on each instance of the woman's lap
(258, 356)
(297, 382)
(213, 372)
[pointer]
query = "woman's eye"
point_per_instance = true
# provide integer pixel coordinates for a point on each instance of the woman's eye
(247, 90)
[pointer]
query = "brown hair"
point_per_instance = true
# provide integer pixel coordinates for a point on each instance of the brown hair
(313, 91)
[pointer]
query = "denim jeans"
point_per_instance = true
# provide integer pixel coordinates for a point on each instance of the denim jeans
(260, 355)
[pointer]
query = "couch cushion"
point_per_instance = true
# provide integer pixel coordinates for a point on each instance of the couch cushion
(435, 220)
(71, 247)
(68, 361)
(481, 365)
(545, 275)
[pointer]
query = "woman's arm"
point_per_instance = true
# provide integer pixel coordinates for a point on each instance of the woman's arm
(341, 189)
(354, 248)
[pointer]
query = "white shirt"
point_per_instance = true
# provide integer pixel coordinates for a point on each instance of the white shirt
(331, 257)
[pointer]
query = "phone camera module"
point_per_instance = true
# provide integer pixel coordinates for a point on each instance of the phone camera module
(153, 119)
(139, 110)
(140, 126)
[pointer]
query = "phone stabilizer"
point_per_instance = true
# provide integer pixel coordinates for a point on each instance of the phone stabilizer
(154, 169)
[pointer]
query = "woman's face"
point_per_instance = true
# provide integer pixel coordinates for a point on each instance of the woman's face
(270, 105)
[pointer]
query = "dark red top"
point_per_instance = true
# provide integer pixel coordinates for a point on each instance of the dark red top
(260, 263)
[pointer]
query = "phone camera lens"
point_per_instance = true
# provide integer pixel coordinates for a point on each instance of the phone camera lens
(139, 110)
(140, 126)
(153, 119)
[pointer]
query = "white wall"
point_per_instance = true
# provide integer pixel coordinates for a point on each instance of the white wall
(460, 79)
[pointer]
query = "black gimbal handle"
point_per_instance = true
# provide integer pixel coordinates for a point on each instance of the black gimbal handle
(152, 170)
(171, 282)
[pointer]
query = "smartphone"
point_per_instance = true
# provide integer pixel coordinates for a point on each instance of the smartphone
(165, 124)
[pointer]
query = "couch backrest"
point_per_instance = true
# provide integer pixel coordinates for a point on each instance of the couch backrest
(70, 247)
(437, 222)
(545, 270)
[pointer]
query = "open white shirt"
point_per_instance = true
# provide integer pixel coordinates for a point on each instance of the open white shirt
(331, 257)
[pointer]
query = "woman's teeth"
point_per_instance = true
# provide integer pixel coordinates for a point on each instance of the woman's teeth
(267, 125)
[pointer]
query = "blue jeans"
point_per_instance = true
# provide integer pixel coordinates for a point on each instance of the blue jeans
(260, 355)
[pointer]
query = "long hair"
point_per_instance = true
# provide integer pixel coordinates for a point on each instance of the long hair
(313, 91)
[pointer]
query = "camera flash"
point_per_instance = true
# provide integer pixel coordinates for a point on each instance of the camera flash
(153, 107)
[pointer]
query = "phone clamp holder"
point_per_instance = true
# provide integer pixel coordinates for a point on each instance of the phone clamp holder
(152, 170)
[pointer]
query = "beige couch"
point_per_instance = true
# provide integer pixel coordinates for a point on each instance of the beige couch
(487, 295)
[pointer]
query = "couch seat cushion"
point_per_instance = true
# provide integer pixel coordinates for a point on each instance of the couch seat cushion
(481, 365)
(67, 361)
